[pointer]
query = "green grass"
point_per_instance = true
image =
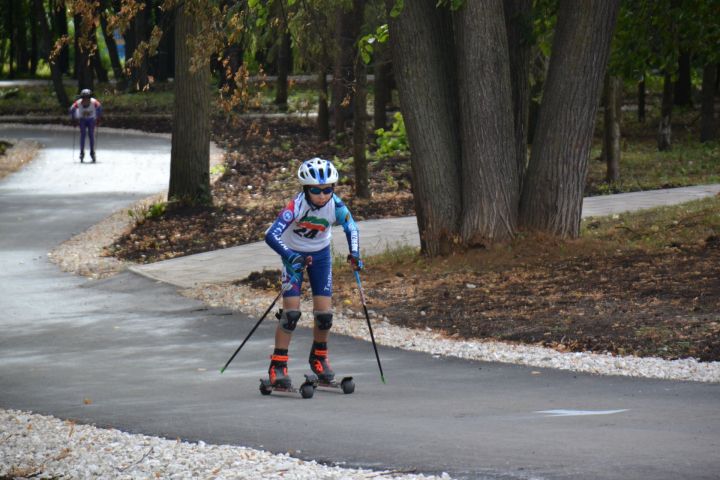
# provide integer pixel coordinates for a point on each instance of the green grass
(657, 229)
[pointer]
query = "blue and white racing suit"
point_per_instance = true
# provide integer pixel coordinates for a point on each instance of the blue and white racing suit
(305, 229)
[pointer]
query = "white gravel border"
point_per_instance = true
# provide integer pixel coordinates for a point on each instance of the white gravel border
(40, 446)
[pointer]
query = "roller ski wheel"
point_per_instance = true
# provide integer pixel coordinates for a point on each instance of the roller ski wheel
(306, 390)
(347, 384)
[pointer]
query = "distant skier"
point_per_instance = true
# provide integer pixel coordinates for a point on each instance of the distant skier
(301, 236)
(87, 111)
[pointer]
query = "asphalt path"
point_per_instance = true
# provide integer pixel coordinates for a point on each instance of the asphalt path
(131, 353)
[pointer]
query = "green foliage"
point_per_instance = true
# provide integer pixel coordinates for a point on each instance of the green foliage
(366, 44)
(146, 211)
(394, 141)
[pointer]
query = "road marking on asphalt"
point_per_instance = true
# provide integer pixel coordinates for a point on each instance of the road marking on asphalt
(578, 413)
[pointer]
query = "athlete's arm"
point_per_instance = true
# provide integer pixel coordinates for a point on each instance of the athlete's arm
(273, 236)
(344, 217)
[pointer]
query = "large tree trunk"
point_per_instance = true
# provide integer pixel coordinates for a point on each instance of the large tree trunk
(47, 42)
(708, 127)
(683, 87)
(612, 119)
(518, 23)
(190, 151)
(424, 62)
(664, 138)
(360, 164)
(553, 190)
(489, 169)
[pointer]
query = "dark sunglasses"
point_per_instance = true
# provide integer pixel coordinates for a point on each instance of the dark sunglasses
(318, 190)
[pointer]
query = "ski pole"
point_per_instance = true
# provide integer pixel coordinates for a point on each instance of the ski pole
(367, 317)
(73, 157)
(283, 290)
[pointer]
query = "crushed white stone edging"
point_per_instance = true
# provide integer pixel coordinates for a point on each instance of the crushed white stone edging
(41, 446)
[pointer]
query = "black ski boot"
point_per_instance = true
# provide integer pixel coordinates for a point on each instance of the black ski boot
(82, 157)
(278, 372)
(92, 155)
(319, 363)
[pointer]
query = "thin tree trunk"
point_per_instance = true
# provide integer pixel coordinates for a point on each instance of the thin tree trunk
(489, 169)
(611, 135)
(100, 71)
(21, 47)
(346, 33)
(518, 23)
(323, 118)
(190, 150)
(47, 41)
(422, 49)
(664, 138)
(111, 45)
(553, 191)
(284, 66)
(641, 100)
(360, 164)
(10, 29)
(83, 65)
(60, 28)
(708, 125)
(34, 54)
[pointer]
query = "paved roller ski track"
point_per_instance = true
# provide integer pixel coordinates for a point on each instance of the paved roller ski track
(148, 360)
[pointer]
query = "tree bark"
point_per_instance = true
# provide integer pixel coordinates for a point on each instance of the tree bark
(641, 100)
(383, 68)
(611, 135)
(553, 191)
(10, 29)
(518, 23)
(47, 41)
(83, 62)
(708, 125)
(190, 150)
(323, 118)
(284, 62)
(111, 45)
(664, 138)
(346, 32)
(60, 28)
(423, 57)
(683, 87)
(360, 163)
(489, 169)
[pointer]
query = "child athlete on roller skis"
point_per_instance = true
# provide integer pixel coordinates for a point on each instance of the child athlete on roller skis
(301, 236)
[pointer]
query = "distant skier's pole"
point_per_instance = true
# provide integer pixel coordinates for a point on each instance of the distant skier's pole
(73, 157)
(367, 317)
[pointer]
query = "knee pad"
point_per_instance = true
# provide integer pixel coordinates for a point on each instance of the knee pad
(289, 320)
(323, 320)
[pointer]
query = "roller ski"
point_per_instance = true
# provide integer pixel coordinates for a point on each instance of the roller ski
(279, 381)
(324, 376)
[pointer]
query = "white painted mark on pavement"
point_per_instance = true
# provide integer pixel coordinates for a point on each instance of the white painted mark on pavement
(578, 413)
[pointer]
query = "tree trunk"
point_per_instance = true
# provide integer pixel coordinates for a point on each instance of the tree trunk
(708, 127)
(111, 46)
(10, 29)
(489, 169)
(383, 67)
(683, 87)
(284, 62)
(612, 119)
(346, 34)
(83, 62)
(360, 163)
(553, 191)
(423, 58)
(664, 138)
(140, 25)
(641, 100)
(323, 118)
(21, 44)
(100, 71)
(47, 42)
(518, 23)
(34, 54)
(60, 28)
(190, 151)
(166, 47)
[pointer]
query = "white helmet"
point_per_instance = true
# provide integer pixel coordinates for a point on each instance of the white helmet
(86, 93)
(317, 171)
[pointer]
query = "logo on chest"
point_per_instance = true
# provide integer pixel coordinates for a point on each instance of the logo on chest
(311, 226)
